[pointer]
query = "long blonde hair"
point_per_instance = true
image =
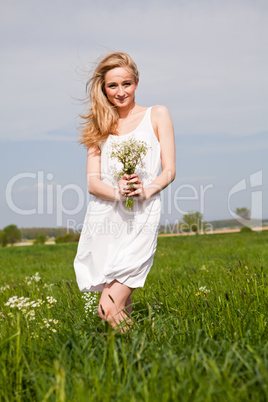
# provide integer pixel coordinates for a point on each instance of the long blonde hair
(101, 118)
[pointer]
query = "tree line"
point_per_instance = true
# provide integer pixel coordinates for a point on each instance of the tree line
(192, 222)
(11, 234)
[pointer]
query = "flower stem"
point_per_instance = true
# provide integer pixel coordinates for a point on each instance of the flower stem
(129, 203)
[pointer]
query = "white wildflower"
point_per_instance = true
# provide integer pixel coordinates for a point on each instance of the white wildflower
(51, 300)
(39, 302)
(129, 153)
(91, 305)
(11, 300)
(45, 321)
(33, 335)
(204, 290)
(36, 277)
(48, 285)
(3, 288)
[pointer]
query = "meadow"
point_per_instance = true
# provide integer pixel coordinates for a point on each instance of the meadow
(199, 326)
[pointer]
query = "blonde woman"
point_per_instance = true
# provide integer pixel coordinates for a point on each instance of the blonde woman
(117, 246)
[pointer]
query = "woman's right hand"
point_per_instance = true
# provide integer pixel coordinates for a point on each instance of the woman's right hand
(123, 186)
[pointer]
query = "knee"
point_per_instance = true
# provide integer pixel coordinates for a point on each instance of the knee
(101, 312)
(111, 314)
(106, 312)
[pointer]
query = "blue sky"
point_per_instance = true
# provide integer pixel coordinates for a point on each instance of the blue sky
(207, 61)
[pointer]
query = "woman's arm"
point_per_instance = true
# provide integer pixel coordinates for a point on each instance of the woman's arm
(94, 183)
(163, 128)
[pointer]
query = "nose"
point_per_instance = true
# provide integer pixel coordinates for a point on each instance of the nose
(121, 91)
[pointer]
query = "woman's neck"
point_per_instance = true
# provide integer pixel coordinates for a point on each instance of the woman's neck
(124, 112)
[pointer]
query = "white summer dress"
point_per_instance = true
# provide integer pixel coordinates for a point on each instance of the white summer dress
(116, 243)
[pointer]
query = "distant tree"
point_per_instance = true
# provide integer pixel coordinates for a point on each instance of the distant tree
(68, 238)
(32, 233)
(192, 222)
(12, 234)
(3, 238)
(244, 213)
(40, 239)
(246, 229)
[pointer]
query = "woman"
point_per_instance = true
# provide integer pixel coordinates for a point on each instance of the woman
(117, 246)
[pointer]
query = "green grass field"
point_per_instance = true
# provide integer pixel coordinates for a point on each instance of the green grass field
(200, 326)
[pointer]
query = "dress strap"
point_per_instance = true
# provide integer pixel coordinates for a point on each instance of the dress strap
(146, 124)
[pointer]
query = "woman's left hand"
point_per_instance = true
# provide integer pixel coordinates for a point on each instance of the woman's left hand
(135, 186)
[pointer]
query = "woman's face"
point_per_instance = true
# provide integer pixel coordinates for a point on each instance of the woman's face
(120, 87)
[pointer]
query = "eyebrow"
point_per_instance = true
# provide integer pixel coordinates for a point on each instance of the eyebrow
(115, 83)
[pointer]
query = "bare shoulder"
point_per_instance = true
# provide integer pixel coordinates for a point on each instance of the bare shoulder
(93, 152)
(160, 114)
(161, 120)
(160, 109)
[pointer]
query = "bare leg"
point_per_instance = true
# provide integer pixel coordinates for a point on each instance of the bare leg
(114, 299)
(128, 306)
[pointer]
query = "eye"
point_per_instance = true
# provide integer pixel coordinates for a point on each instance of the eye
(111, 86)
(127, 84)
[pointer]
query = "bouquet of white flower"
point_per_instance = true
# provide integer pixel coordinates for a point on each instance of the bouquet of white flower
(130, 153)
